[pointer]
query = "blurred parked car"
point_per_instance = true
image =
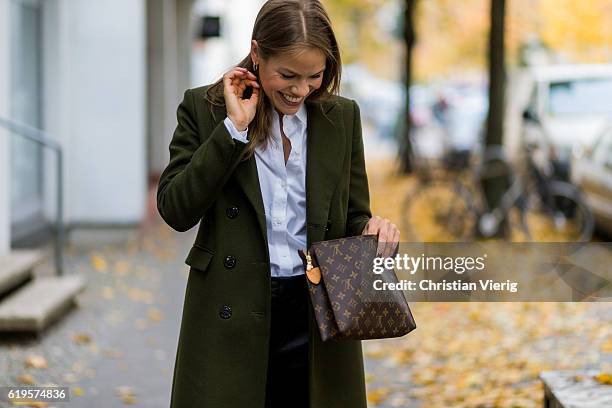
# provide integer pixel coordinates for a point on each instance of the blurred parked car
(571, 102)
(592, 172)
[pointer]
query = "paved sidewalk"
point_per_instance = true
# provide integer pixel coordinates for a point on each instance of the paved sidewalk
(118, 346)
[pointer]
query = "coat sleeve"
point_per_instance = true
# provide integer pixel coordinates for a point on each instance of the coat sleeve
(201, 162)
(359, 196)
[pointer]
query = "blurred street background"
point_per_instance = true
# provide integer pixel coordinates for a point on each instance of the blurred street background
(482, 120)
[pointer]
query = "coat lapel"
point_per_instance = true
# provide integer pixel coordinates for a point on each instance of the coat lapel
(323, 164)
(248, 179)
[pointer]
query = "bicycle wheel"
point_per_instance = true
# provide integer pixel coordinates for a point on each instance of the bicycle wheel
(559, 214)
(438, 212)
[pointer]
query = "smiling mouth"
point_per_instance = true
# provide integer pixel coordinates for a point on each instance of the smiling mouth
(290, 100)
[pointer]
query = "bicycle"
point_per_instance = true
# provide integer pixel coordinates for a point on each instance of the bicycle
(456, 209)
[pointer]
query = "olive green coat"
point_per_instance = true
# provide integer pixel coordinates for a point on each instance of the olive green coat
(222, 353)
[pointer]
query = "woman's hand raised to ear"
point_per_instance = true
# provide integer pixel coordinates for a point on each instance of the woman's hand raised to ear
(240, 111)
(388, 235)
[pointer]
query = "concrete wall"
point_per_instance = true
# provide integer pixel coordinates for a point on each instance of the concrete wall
(95, 78)
(170, 37)
(163, 89)
(5, 197)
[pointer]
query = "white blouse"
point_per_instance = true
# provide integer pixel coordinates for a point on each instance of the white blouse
(283, 189)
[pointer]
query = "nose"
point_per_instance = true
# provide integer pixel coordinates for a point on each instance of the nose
(300, 89)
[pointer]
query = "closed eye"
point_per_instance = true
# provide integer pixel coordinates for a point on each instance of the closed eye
(287, 76)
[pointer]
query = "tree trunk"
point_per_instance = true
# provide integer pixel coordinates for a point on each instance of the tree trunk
(495, 187)
(496, 74)
(405, 152)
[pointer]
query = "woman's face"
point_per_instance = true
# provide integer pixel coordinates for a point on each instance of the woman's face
(288, 79)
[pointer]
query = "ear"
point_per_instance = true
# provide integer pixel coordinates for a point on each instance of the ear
(254, 54)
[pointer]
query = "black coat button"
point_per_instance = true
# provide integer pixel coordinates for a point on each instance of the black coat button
(229, 261)
(232, 212)
(225, 312)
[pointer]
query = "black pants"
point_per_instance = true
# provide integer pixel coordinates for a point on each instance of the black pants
(287, 384)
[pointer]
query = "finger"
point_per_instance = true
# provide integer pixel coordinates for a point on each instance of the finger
(252, 83)
(255, 95)
(395, 242)
(235, 77)
(239, 86)
(241, 82)
(227, 79)
(230, 81)
(375, 229)
(370, 227)
(383, 238)
(233, 74)
(391, 238)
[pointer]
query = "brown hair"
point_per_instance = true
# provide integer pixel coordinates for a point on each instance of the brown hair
(285, 26)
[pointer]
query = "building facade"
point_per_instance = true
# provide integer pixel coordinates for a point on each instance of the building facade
(102, 78)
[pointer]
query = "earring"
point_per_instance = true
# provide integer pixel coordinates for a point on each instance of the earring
(255, 67)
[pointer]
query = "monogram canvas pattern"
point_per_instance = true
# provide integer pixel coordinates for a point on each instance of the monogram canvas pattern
(345, 304)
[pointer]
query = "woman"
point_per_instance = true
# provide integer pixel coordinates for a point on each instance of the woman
(268, 161)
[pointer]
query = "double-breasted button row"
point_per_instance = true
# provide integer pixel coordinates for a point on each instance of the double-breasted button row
(232, 212)
(229, 261)
(225, 312)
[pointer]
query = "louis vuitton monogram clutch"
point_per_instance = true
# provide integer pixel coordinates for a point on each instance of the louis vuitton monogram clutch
(346, 305)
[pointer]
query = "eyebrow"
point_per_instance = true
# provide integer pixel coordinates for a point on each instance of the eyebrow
(295, 73)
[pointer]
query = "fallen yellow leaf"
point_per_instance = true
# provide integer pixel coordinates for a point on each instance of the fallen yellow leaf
(155, 314)
(99, 263)
(36, 361)
(26, 379)
(378, 395)
(81, 338)
(127, 395)
(603, 378)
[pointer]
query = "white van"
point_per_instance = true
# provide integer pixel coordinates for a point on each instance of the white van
(572, 103)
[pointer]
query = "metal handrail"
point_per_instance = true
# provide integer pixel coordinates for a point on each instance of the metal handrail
(40, 137)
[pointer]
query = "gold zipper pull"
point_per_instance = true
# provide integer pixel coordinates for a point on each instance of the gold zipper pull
(308, 261)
